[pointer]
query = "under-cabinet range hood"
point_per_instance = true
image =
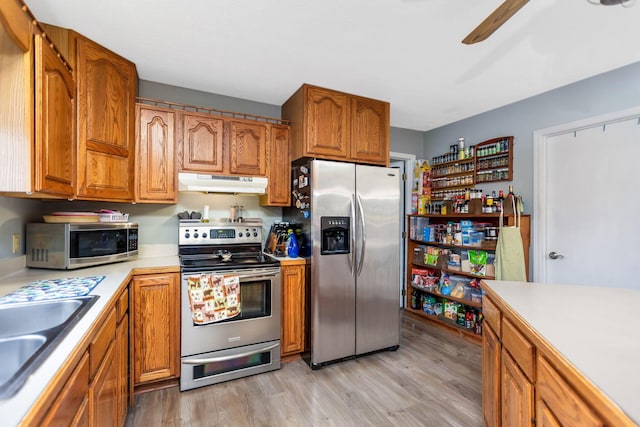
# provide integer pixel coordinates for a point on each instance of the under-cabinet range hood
(221, 184)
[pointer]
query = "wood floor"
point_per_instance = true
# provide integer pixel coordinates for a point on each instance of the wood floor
(433, 379)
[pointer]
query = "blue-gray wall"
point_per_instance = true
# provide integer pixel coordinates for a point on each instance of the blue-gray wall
(605, 93)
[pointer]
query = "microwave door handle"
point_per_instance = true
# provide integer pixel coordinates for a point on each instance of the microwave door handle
(363, 236)
(230, 357)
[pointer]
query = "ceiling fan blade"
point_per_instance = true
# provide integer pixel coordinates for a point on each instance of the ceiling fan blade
(494, 21)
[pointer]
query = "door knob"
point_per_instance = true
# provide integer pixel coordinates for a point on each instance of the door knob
(555, 255)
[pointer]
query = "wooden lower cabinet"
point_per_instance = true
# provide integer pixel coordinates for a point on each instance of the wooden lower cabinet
(122, 355)
(490, 377)
(155, 317)
(517, 394)
(293, 310)
(559, 402)
(103, 399)
(526, 382)
(96, 393)
(71, 403)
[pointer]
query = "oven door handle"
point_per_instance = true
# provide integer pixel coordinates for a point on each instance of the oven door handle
(232, 356)
(257, 275)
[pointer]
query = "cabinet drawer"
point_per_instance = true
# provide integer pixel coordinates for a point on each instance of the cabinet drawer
(522, 351)
(71, 398)
(122, 306)
(101, 342)
(491, 315)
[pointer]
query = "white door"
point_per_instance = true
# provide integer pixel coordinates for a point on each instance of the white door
(587, 203)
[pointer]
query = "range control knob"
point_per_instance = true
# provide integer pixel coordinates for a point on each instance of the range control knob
(187, 235)
(255, 234)
(195, 235)
(239, 234)
(204, 235)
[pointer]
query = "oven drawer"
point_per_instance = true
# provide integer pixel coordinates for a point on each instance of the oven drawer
(224, 365)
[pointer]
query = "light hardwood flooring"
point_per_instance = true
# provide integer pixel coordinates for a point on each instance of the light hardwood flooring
(433, 379)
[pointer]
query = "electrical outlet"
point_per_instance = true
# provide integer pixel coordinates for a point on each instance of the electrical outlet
(16, 243)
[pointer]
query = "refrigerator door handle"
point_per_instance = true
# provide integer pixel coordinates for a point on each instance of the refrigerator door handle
(351, 259)
(363, 236)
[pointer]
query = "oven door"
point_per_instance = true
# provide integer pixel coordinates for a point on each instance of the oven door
(258, 321)
(224, 365)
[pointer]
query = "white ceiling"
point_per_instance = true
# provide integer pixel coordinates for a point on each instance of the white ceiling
(407, 52)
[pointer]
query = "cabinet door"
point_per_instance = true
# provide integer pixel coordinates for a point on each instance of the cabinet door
(369, 131)
(559, 402)
(16, 98)
(155, 173)
(72, 399)
(106, 89)
(122, 354)
(54, 163)
(292, 334)
(201, 144)
(279, 171)
(103, 403)
(517, 394)
(490, 377)
(156, 323)
(327, 123)
(247, 148)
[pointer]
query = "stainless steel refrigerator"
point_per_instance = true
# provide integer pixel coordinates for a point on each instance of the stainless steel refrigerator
(349, 215)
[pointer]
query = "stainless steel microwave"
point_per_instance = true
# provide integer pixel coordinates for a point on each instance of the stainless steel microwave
(68, 246)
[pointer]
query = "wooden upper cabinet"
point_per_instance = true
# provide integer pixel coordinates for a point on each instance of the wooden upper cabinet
(16, 98)
(201, 143)
(332, 125)
(247, 148)
(156, 171)
(37, 110)
(279, 169)
(106, 85)
(369, 130)
(54, 169)
(327, 121)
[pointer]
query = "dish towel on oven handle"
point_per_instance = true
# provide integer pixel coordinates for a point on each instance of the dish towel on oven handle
(213, 297)
(510, 263)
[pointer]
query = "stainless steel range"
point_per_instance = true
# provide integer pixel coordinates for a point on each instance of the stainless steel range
(242, 336)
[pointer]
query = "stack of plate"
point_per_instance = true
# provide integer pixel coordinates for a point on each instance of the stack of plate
(72, 217)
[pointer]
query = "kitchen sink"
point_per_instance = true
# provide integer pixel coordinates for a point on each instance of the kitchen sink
(28, 334)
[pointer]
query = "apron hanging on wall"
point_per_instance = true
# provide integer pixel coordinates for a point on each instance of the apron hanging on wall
(510, 263)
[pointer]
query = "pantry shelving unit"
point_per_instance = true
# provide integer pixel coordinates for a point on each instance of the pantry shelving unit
(416, 224)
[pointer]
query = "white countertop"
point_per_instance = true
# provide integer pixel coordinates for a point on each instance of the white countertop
(13, 410)
(595, 328)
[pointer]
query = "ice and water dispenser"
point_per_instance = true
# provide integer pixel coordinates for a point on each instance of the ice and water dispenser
(335, 232)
